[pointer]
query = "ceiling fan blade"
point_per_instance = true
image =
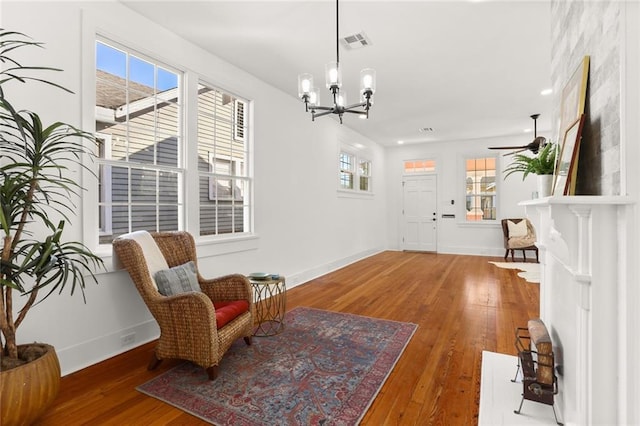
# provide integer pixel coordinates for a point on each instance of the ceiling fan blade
(510, 147)
(514, 152)
(533, 146)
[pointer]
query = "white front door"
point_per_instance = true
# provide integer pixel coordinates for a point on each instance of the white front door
(419, 213)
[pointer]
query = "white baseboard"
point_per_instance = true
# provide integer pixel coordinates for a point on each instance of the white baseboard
(85, 354)
(472, 251)
(301, 277)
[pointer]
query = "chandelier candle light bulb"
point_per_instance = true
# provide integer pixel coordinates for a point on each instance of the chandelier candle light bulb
(314, 98)
(368, 80)
(334, 75)
(341, 99)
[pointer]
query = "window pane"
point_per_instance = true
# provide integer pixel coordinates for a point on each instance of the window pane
(480, 187)
(346, 180)
(111, 60)
(167, 151)
(120, 222)
(346, 162)
(119, 185)
(141, 72)
(143, 218)
(166, 80)
(168, 218)
(364, 183)
(143, 186)
(169, 184)
(365, 168)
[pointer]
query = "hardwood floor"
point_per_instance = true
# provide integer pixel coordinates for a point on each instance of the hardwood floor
(462, 305)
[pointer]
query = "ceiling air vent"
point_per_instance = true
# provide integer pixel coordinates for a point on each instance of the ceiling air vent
(425, 129)
(356, 41)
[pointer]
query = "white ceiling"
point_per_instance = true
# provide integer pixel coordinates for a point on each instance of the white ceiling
(467, 69)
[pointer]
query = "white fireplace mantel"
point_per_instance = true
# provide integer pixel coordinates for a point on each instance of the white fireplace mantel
(583, 242)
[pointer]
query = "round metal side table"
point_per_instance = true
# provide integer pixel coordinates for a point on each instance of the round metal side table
(270, 304)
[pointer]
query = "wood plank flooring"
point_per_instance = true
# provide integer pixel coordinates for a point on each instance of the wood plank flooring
(462, 305)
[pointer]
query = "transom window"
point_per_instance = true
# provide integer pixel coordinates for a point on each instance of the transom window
(481, 189)
(419, 166)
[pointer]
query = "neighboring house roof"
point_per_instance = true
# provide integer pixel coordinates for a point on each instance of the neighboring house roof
(111, 97)
(110, 91)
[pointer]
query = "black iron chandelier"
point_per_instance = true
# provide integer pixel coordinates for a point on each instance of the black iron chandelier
(310, 95)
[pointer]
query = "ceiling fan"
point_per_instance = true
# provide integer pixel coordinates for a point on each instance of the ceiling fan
(538, 141)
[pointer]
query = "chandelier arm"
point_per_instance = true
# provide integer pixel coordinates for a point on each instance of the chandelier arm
(330, 111)
(355, 112)
(324, 108)
(361, 104)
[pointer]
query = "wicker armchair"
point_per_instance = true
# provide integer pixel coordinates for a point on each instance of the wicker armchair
(188, 321)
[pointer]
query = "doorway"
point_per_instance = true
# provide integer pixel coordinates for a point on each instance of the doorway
(419, 218)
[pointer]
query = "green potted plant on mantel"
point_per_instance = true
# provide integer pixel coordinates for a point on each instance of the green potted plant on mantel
(35, 194)
(541, 164)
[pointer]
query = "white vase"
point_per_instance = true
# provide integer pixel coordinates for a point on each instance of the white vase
(544, 185)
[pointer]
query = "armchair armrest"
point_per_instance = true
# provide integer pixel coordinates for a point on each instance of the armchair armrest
(184, 308)
(186, 320)
(228, 287)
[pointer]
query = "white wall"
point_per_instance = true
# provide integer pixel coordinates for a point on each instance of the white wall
(304, 227)
(457, 235)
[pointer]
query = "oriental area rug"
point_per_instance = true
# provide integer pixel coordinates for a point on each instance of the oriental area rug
(325, 368)
(530, 271)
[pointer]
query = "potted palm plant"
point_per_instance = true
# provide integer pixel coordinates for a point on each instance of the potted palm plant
(542, 164)
(35, 260)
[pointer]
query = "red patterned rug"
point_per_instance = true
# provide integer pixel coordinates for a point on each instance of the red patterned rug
(324, 368)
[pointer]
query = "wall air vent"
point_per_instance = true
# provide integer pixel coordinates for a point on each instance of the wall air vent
(356, 41)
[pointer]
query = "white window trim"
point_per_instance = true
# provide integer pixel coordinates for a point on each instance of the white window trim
(106, 187)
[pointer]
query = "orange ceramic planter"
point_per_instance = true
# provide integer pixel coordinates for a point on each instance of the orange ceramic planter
(27, 391)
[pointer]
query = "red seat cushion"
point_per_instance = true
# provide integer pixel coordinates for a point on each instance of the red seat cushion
(228, 311)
